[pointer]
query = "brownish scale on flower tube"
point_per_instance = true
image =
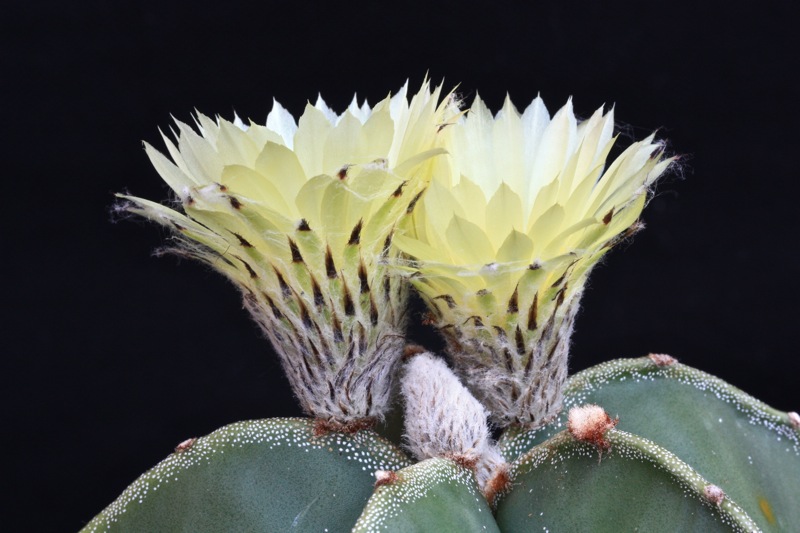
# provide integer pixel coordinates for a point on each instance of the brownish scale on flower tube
(355, 235)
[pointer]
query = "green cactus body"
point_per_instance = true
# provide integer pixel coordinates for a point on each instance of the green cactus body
(433, 495)
(276, 475)
(261, 475)
(564, 485)
(730, 438)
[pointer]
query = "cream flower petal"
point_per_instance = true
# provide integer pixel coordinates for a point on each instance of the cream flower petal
(282, 122)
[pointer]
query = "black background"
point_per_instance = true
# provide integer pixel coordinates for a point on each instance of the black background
(111, 357)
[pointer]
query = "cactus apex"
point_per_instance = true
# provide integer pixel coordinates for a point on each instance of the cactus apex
(662, 359)
(794, 419)
(385, 477)
(713, 494)
(589, 423)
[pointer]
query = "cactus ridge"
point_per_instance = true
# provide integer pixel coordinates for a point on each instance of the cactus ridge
(433, 495)
(644, 368)
(582, 387)
(748, 448)
(563, 480)
(255, 475)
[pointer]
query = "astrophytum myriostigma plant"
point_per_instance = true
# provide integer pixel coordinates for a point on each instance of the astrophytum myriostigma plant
(497, 221)
(515, 217)
(300, 217)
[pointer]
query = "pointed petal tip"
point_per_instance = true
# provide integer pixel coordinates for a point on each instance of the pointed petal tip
(276, 105)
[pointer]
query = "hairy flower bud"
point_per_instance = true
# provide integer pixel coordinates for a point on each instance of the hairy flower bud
(443, 419)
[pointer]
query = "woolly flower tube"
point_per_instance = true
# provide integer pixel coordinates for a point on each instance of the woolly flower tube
(300, 217)
(505, 236)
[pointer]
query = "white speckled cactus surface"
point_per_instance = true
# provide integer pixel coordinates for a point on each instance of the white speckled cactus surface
(327, 223)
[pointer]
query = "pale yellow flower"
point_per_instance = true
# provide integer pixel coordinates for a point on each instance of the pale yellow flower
(300, 216)
(514, 219)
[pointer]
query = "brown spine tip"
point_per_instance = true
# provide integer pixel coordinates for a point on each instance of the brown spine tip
(411, 350)
(385, 477)
(414, 201)
(519, 339)
(342, 174)
(319, 299)
(185, 445)
(399, 190)
(608, 217)
(303, 225)
(563, 277)
(235, 203)
(250, 270)
(355, 235)
(387, 243)
(349, 306)
(305, 317)
(713, 494)
(794, 419)
(275, 311)
(286, 291)
(560, 295)
(330, 266)
(499, 482)
(362, 278)
(533, 313)
(324, 426)
(338, 336)
(662, 359)
(296, 256)
(513, 302)
(658, 152)
(589, 423)
(463, 459)
(242, 241)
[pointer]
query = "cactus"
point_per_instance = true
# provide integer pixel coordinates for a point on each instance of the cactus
(325, 224)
